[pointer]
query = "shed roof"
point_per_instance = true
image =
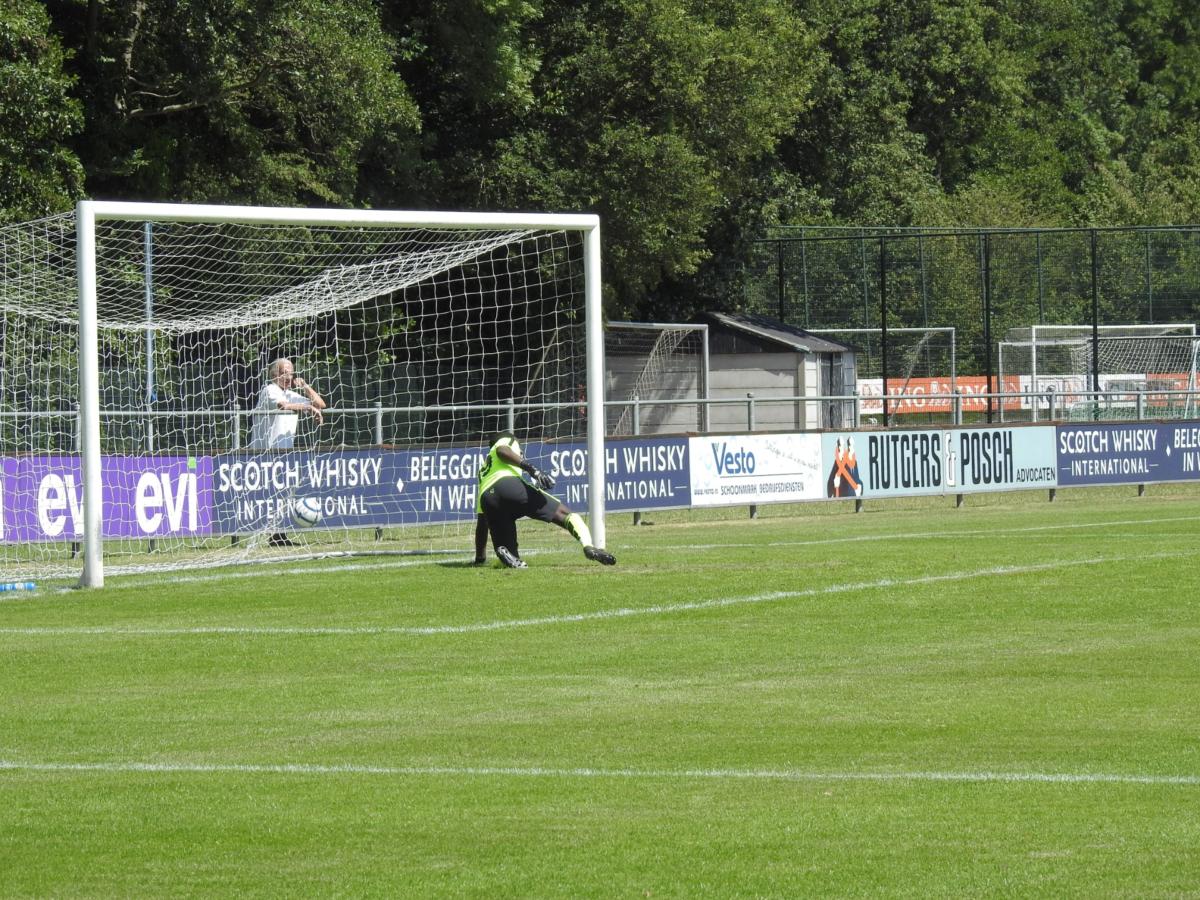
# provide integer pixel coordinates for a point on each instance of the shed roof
(768, 330)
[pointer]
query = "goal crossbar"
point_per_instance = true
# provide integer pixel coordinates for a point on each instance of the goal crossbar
(363, 218)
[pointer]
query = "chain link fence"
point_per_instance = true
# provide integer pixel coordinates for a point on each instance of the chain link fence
(989, 286)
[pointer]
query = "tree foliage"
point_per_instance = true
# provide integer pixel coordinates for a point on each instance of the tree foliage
(39, 172)
(265, 101)
(689, 125)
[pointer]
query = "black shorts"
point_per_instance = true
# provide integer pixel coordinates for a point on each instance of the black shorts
(515, 497)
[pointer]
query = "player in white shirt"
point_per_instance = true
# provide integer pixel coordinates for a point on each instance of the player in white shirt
(283, 391)
(291, 396)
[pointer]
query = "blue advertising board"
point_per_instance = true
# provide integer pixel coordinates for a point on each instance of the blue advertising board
(41, 497)
(356, 489)
(640, 474)
(1128, 453)
(365, 488)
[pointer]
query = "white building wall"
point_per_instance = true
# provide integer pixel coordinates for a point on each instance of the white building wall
(766, 375)
(731, 376)
(679, 380)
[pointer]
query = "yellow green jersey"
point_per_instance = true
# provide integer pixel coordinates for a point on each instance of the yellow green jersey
(494, 468)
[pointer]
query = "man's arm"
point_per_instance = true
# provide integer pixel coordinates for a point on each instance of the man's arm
(542, 479)
(317, 401)
(312, 404)
(481, 533)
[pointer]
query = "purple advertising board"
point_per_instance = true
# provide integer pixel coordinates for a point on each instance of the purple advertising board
(41, 497)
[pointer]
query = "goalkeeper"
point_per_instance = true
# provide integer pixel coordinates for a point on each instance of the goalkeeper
(504, 496)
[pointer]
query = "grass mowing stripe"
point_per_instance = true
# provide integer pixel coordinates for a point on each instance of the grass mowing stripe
(925, 535)
(1012, 735)
(367, 560)
(309, 565)
(590, 772)
(600, 615)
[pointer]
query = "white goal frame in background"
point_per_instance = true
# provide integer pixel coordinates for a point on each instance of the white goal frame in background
(653, 387)
(852, 338)
(1078, 341)
(88, 213)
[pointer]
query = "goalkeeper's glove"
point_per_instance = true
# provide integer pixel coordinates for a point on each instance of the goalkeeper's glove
(540, 478)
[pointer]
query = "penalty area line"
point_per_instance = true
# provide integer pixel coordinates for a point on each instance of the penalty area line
(596, 615)
(721, 774)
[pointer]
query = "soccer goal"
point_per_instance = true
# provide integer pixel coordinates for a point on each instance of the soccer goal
(136, 338)
(654, 366)
(920, 361)
(1158, 362)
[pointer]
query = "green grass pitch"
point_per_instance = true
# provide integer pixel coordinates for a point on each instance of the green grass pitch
(915, 700)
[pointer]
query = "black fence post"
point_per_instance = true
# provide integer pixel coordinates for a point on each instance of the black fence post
(924, 280)
(782, 289)
(1149, 282)
(1095, 321)
(866, 289)
(1041, 286)
(804, 275)
(987, 322)
(883, 335)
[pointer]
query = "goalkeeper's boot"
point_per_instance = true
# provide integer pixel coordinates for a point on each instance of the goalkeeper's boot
(600, 555)
(510, 559)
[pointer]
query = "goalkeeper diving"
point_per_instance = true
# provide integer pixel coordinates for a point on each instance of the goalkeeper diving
(504, 496)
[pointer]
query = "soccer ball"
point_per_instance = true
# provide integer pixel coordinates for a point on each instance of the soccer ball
(306, 512)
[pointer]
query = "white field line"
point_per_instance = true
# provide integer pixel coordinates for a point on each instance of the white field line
(274, 568)
(310, 769)
(597, 615)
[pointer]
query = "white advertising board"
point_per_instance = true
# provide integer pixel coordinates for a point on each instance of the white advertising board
(755, 468)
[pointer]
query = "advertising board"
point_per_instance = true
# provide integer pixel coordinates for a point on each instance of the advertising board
(961, 460)
(755, 468)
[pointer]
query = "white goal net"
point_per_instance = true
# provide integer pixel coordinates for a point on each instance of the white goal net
(920, 361)
(656, 369)
(134, 362)
(1112, 372)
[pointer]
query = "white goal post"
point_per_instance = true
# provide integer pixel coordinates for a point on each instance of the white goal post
(219, 291)
(1145, 358)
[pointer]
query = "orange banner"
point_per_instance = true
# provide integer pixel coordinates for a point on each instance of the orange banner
(914, 395)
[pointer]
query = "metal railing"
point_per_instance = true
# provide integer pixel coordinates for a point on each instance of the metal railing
(950, 408)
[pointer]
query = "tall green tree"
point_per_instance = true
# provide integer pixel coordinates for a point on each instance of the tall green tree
(39, 173)
(654, 113)
(470, 66)
(689, 125)
(266, 101)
